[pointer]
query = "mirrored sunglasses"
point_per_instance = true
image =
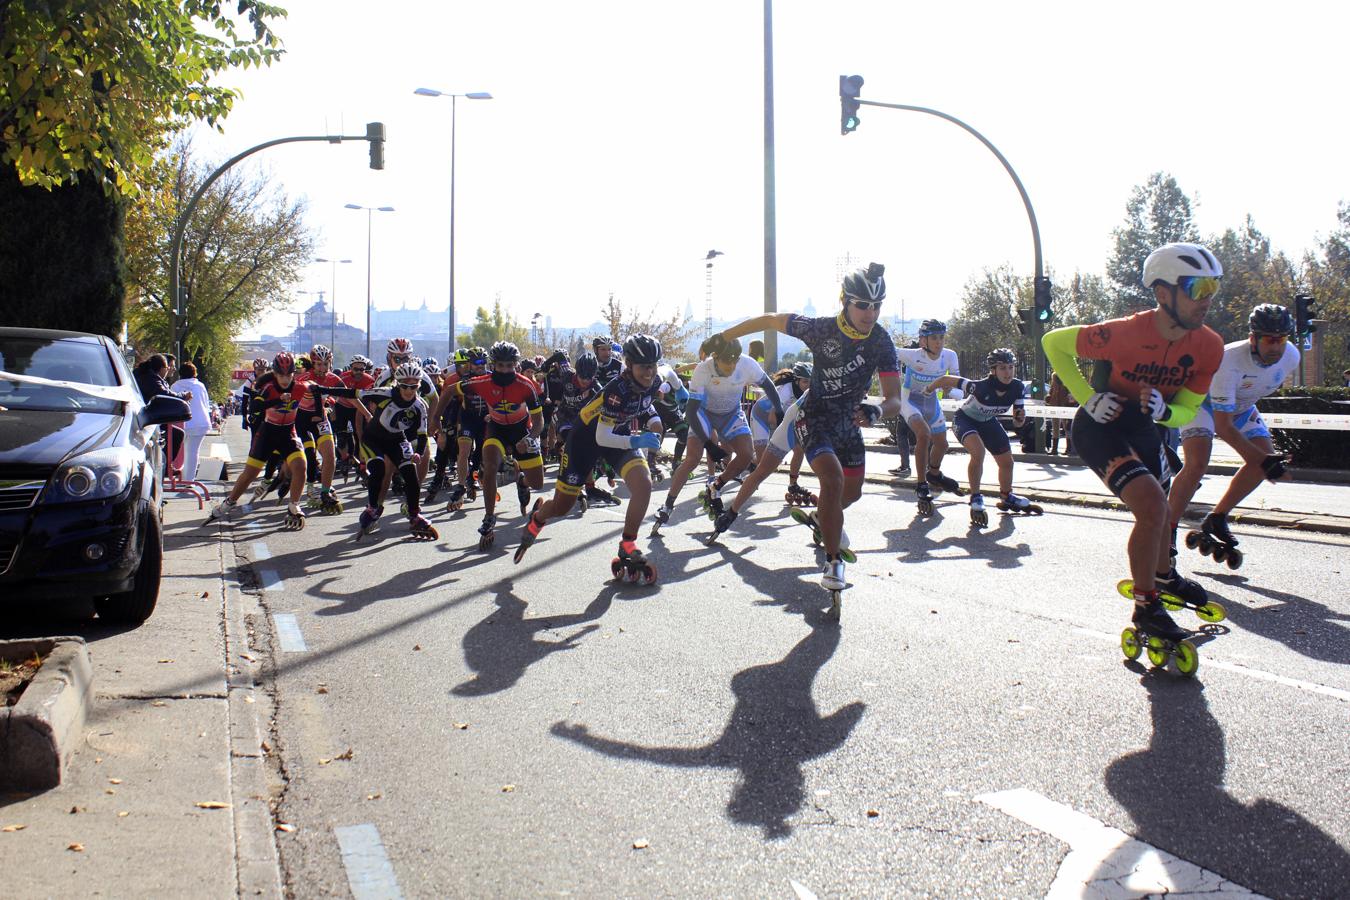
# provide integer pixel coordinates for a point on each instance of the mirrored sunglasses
(410, 385)
(1199, 287)
(866, 305)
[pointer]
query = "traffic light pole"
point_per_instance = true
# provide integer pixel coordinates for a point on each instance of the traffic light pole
(1041, 283)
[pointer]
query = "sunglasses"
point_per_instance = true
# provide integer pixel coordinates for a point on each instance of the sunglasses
(1199, 287)
(866, 305)
(1272, 338)
(408, 386)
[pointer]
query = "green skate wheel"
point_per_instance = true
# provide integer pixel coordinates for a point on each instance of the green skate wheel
(1157, 653)
(1170, 601)
(1186, 658)
(1129, 643)
(1125, 588)
(800, 516)
(1212, 611)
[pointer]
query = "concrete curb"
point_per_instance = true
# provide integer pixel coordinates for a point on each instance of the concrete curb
(40, 732)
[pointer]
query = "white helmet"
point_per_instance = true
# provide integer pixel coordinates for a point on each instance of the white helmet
(1173, 261)
(407, 371)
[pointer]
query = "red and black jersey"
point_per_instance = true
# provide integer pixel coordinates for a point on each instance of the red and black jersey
(308, 402)
(279, 403)
(362, 382)
(506, 404)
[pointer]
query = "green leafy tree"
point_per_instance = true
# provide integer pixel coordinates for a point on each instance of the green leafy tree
(1252, 274)
(986, 318)
(1158, 212)
(673, 333)
(499, 325)
(1327, 279)
(1084, 298)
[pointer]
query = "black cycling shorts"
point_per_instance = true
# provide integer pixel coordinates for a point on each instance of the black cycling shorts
(991, 432)
(1120, 451)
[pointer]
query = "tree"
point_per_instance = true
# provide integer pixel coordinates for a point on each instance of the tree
(1326, 276)
(1252, 274)
(1083, 299)
(244, 246)
(1156, 213)
(499, 326)
(986, 318)
(673, 333)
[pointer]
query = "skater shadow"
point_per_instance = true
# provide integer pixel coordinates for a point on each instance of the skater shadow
(986, 544)
(1305, 626)
(774, 729)
(501, 647)
(1174, 791)
(914, 543)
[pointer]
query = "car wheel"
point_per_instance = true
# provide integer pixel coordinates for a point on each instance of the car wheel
(136, 605)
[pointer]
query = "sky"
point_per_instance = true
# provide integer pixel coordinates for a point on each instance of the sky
(625, 140)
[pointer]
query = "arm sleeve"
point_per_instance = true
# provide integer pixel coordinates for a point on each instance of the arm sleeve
(1182, 409)
(955, 369)
(1061, 350)
(605, 436)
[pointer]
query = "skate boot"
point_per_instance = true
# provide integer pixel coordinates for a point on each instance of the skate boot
(1214, 539)
(799, 496)
(979, 518)
(662, 516)
(522, 493)
(487, 532)
(832, 575)
(721, 524)
(925, 499)
(329, 504)
(709, 498)
(221, 511)
(434, 487)
(899, 471)
(421, 529)
(936, 480)
(529, 533)
(1178, 591)
(596, 496)
(658, 474)
(262, 489)
(312, 492)
(1152, 629)
(369, 521)
(1012, 503)
(295, 517)
(455, 500)
(630, 566)
(812, 520)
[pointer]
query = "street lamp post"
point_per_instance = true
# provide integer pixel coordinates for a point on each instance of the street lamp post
(332, 298)
(370, 211)
(470, 95)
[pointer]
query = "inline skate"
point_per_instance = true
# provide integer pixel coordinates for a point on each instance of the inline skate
(1011, 503)
(1214, 539)
(487, 532)
(1152, 630)
(812, 520)
(630, 566)
(295, 517)
(368, 521)
(421, 529)
(979, 517)
(799, 496)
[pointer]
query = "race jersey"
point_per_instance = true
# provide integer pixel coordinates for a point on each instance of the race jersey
(505, 404)
(922, 369)
(618, 404)
(308, 402)
(554, 379)
(571, 398)
(280, 403)
(1242, 380)
(391, 418)
(763, 406)
(1140, 356)
(722, 393)
(670, 380)
(426, 390)
(990, 397)
(844, 361)
(362, 382)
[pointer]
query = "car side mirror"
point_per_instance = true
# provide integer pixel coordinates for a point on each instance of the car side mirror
(163, 410)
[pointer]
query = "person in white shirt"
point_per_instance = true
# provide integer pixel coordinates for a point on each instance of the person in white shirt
(1251, 369)
(925, 364)
(195, 428)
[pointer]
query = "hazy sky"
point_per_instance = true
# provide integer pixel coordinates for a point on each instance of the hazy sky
(625, 140)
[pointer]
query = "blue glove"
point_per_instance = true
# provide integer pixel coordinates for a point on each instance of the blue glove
(647, 440)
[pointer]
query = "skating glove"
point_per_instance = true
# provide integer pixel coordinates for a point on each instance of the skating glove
(1274, 467)
(1152, 402)
(1103, 406)
(647, 440)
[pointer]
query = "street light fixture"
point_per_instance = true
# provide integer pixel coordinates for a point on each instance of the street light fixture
(470, 95)
(332, 297)
(370, 211)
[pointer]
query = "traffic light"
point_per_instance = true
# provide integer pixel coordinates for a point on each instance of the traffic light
(1024, 319)
(1304, 313)
(1043, 295)
(850, 87)
(375, 134)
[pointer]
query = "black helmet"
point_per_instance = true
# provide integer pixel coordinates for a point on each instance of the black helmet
(932, 326)
(642, 350)
(865, 284)
(528, 365)
(587, 365)
(1271, 318)
(801, 370)
(1001, 355)
(729, 350)
(602, 340)
(504, 351)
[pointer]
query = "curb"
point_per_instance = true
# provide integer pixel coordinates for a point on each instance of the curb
(40, 732)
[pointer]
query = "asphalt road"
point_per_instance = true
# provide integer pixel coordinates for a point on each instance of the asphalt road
(459, 725)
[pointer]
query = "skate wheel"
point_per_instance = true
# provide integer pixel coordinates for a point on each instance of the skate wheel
(630, 576)
(1129, 643)
(1234, 558)
(1220, 554)
(1206, 548)
(848, 555)
(836, 606)
(1125, 588)
(486, 540)
(1192, 540)
(800, 516)
(403, 507)
(1036, 509)
(1212, 612)
(615, 566)
(1170, 602)
(1157, 653)
(648, 575)
(1186, 658)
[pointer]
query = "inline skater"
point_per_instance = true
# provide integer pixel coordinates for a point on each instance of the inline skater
(316, 432)
(557, 372)
(978, 429)
(608, 358)
(579, 389)
(513, 426)
(276, 397)
(924, 364)
(394, 435)
(848, 349)
(1251, 369)
(1161, 364)
(471, 424)
(714, 409)
(446, 416)
(791, 384)
(604, 431)
(356, 376)
(670, 406)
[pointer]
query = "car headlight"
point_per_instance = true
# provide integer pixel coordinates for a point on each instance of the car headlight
(98, 475)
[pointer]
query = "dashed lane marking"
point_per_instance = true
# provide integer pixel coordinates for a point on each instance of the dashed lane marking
(260, 551)
(271, 581)
(1105, 862)
(369, 872)
(802, 891)
(288, 633)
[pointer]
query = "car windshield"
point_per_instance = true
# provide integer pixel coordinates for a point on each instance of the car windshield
(74, 359)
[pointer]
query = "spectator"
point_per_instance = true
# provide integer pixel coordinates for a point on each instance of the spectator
(1345, 377)
(195, 428)
(1058, 395)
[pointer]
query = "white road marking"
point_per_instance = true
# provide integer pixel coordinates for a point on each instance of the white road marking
(369, 872)
(1206, 662)
(260, 551)
(271, 581)
(1105, 862)
(802, 891)
(288, 633)
(221, 452)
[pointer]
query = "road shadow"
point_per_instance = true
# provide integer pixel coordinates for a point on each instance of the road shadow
(774, 729)
(1174, 791)
(501, 647)
(915, 544)
(1305, 626)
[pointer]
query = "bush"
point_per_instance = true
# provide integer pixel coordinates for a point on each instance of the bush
(1306, 448)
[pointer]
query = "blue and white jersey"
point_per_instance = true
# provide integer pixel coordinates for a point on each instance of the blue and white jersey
(1242, 380)
(990, 397)
(722, 393)
(922, 369)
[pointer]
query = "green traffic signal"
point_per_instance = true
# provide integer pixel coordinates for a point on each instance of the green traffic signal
(850, 87)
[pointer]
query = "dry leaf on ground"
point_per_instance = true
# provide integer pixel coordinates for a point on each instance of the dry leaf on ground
(212, 804)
